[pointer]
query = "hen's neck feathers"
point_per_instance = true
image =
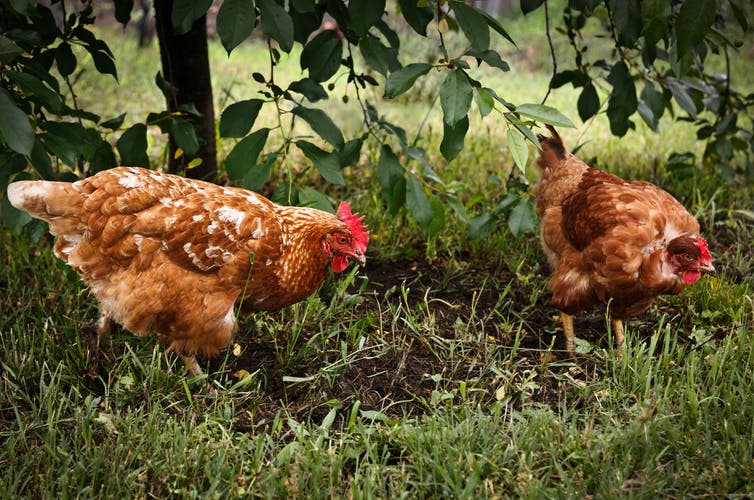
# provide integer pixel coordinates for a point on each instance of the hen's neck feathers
(303, 261)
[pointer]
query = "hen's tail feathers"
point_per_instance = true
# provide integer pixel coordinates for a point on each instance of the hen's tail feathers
(552, 151)
(57, 203)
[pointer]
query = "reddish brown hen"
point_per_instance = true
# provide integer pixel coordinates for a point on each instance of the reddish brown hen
(174, 256)
(613, 241)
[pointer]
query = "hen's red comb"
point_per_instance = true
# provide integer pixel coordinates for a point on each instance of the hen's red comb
(703, 249)
(354, 223)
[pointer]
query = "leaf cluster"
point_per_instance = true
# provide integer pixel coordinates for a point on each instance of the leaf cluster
(663, 52)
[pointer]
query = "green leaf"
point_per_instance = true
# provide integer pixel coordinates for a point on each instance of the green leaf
(530, 5)
(238, 118)
(10, 164)
(184, 136)
(682, 96)
(244, 154)
(256, 175)
(103, 158)
(102, 61)
(491, 57)
(69, 141)
(167, 89)
(740, 16)
(123, 10)
(310, 197)
(30, 84)
(403, 79)
(185, 12)
(416, 17)
(455, 96)
(114, 123)
(418, 204)
(452, 138)
(438, 217)
(322, 55)
(327, 163)
(15, 129)
(473, 25)
(377, 56)
(545, 114)
(8, 50)
(588, 103)
(310, 89)
(321, 123)
(276, 23)
(391, 179)
(651, 105)
(524, 129)
(41, 160)
(363, 14)
(622, 102)
(65, 59)
(522, 218)
(694, 20)
(481, 226)
(350, 153)
(132, 146)
(484, 101)
(655, 17)
(23, 7)
(235, 22)
(627, 17)
(495, 25)
(517, 147)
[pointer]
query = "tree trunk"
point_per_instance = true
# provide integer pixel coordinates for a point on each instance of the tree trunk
(185, 65)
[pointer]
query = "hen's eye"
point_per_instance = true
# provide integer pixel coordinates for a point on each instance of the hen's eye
(687, 257)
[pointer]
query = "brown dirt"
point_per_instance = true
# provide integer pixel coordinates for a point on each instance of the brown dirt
(397, 380)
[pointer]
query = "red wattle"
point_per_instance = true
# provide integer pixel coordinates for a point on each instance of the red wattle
(690, 277)
(339, 263)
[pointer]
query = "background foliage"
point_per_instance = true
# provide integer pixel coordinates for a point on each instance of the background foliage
(434, 371)
(650, 68)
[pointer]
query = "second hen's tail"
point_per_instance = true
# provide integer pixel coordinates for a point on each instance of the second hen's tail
(552, 150)
(57, 203)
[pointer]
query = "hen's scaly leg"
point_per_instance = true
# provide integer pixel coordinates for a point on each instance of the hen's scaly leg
(568, 330)
(102, 331)
(191, 365)
(618, 335)
(103, 327)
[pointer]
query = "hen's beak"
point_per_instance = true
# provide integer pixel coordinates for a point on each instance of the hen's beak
(360, 258)
(709, 269)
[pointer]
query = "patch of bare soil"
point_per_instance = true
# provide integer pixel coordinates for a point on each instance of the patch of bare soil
(397, 380)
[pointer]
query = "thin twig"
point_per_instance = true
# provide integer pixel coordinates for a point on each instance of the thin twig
(552, 51)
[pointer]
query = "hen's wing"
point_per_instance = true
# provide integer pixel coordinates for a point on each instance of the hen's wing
(636, 212)
(133, 214)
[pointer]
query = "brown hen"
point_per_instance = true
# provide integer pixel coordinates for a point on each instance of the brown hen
(611, 241)
(173, 256)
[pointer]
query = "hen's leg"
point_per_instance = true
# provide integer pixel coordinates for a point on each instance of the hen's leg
(103, 327)
(618, 335)
(102, 330)
(568, 330)
(191, 365)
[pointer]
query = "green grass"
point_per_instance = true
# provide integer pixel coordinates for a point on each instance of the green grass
(433, 372)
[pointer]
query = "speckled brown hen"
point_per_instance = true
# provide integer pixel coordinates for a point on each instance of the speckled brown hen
(173, 256)
(613, 241)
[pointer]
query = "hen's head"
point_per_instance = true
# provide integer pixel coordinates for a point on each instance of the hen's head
(350, 243)
(690, 258)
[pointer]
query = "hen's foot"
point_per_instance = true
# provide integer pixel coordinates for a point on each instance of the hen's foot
(192, 365)
(95, 339)
(567, 320)
(618, 335)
